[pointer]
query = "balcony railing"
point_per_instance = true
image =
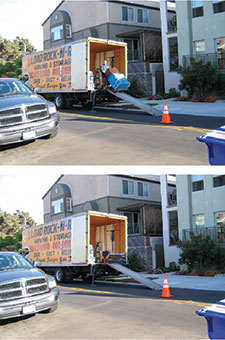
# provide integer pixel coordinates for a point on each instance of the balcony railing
(216, 59)
(172, 24)
(172, 198)
(216, 234)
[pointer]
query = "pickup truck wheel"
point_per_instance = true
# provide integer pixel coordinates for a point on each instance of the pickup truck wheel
(59, 275)
(59, 101)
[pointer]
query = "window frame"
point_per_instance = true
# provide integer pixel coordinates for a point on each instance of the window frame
(57, 32)
(144, 18)
(127, 13)
(144, 192)
(130, 184)
(57, 206)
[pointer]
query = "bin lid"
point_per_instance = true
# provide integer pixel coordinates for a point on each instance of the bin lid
(218, 134)
(217, 309)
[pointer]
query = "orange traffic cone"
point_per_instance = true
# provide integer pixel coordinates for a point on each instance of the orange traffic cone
(166, 116)
(166, 290)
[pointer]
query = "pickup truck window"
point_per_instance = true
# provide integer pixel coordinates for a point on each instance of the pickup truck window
(8, 88)
(13, 261)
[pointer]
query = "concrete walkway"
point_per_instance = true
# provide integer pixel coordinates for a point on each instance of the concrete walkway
(216, 109)
(216, 283)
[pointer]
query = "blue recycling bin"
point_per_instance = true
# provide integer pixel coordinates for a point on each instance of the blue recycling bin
(215, 141)
(215, 316)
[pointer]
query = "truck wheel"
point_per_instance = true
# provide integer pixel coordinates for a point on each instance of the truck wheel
(59, 275)
(59, 101)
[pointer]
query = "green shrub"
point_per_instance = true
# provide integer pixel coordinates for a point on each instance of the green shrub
(134, 262)
(134, 89)
(199, 79)
(173, 93)
(199, 253)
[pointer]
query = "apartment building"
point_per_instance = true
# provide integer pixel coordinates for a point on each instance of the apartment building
(137, 197)
(197, 31)
(198, 206)
(135, 22)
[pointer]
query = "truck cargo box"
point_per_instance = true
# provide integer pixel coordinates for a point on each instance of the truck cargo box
(67, 68)
(74, 240)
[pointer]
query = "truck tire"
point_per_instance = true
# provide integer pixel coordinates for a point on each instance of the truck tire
(59, 101)
(59, 275)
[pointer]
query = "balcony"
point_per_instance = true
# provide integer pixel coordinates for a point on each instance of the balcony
(216, 234)
(217, 60)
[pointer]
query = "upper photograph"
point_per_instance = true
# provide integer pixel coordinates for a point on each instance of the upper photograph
(112, 82)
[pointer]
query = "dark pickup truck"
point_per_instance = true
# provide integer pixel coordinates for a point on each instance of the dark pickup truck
(24, 115)
(24, 289)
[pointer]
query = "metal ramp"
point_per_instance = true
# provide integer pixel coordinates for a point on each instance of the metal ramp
(136, 102)
(136, 276)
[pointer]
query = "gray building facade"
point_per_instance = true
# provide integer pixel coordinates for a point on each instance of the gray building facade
(136, 197)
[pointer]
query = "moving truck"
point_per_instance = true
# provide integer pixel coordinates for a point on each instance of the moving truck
(79, 245)
(71, 73)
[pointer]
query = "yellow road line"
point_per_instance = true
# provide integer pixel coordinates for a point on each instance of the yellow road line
(174, 127)
(178, 302)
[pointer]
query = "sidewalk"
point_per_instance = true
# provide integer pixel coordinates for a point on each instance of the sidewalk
(216, 283)
(216, 109)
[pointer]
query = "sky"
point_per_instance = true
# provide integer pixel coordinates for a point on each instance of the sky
(24, 18)
(22, 188)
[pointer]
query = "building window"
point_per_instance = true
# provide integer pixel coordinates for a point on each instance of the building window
(142, 16)
(173, 222)
(68, 204)
(220, 49)
(199, 47)
(197, 8)
(220, 224)
(134, 224)
(218, 6)
(68, 31)
(142, 189)
(199, 221)
(133, 49)
(218, 181)
(57, 33)
(197, 183)
(127, 14)
(173, 48)
(128, 187)
(58, 206)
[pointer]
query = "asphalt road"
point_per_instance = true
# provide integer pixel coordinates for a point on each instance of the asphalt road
(113, 312)
(112, 137)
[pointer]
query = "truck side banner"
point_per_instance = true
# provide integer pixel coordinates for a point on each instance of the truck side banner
(49, 243)
(49, 70)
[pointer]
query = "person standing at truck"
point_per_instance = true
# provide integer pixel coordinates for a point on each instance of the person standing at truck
(103, 68)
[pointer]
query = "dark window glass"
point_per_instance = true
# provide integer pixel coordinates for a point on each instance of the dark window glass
(197, 12)
(124, 14)
(219, 7)
(198, 185)
(219, 181)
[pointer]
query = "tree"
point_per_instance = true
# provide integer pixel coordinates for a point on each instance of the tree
(11, 53)
(199, 253)
(199, 79)
(11, 229)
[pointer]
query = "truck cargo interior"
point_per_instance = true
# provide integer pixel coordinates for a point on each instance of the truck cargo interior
(114, 54)
(107, 235)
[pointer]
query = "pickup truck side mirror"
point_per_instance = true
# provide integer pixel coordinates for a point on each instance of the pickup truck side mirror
(36, 263)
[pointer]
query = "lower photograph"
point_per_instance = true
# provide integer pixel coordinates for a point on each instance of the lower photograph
(108, 256)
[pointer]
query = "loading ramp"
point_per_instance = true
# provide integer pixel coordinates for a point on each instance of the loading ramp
(136, 276)
(136, 102)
